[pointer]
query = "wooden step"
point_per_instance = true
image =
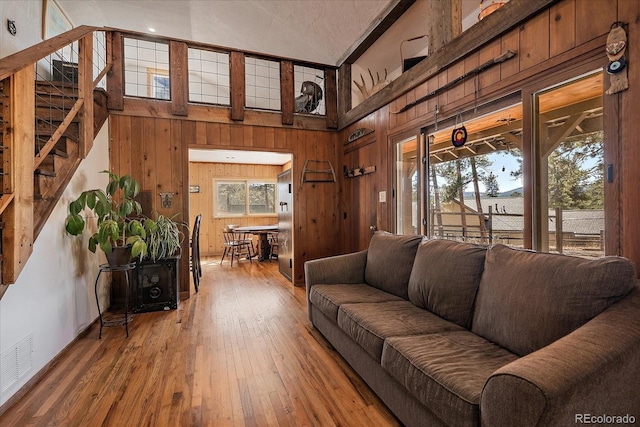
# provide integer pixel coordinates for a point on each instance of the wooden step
(56, 88)
(54, 114)
(44, 128)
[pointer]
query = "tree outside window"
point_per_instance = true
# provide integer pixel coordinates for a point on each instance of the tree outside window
(238, 198)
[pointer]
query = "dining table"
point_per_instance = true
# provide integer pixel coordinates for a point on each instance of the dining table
(261, 231)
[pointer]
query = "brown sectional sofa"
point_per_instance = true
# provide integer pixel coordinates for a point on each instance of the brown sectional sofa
(449, 333)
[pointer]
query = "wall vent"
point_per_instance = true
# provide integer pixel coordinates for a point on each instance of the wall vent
(16, 362)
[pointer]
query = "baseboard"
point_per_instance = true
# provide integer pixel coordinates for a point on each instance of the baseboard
(45, 369)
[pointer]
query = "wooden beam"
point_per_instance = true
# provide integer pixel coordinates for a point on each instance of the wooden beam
(344, 89)
(499, 22)
(238, 88)
(179, 78)
(115, 76)
(85, 94)
(379, 26)
(331, 98)
(27, 57)
(17, 236)
(287, 92)
(556, 136)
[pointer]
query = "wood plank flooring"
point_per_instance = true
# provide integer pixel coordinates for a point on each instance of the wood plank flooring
(241, 352)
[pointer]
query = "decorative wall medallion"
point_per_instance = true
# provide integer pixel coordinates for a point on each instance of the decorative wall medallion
(11, 26)
(358, 133)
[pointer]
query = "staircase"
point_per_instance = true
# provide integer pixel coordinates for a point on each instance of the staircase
(51, 177)
(53, 101)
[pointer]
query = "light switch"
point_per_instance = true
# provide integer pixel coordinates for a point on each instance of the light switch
(382, 196)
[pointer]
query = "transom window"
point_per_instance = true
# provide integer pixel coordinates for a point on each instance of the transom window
(243, 197)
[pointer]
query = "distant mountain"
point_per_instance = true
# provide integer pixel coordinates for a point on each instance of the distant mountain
(510, 193)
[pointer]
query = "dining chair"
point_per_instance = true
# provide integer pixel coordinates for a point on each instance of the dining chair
(236, 245)
(272, 238)
(196, 267)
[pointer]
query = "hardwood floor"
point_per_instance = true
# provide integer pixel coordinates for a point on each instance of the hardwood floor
(241, 352)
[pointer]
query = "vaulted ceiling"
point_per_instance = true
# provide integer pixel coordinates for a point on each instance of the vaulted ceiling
(320, 31)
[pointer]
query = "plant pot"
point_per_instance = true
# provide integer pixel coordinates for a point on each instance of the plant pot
(120, 255)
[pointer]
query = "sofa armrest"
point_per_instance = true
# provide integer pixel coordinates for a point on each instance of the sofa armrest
(594, 371)
(339, 269)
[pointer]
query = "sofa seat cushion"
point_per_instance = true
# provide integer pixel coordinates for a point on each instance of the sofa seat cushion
(446, 371)
(328, 298)
(369, 324)
(389, 261)
(445, 278)
(527, 300)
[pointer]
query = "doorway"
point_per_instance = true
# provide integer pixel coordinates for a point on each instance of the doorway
(233, 187)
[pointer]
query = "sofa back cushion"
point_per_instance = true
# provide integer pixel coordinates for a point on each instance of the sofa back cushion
(527, 300)
(389, 261)
(445, 278)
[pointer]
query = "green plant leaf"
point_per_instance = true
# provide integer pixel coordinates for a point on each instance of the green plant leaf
(93, 244)
(91, 199)
(75, 207)
(112, 187)
(74, 224)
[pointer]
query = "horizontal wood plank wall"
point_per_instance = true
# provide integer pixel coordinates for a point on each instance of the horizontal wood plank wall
(155, 151)
(204, 175)
(552, 40)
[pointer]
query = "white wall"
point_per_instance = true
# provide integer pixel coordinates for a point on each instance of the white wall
(28, 17)
(53, 299)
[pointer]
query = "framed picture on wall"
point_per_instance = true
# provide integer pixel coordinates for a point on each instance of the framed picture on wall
(54, 20)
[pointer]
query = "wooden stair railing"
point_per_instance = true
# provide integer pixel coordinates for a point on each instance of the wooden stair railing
(37, 161)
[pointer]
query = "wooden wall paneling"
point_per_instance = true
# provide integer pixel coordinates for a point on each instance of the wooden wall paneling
(433, 84)
(398, 118)
(124, 147)
(137, 150)
(442, 98)
(491, 75)
(237, 136)
(163, 164)
(384, 169)
(270, 138)
(629, 146)
(225, 135)
(471, 62)
(259, 137)
(593, 18)
(213, 136)
(149, 147)
(453, 72)
(201, 133)
(189, 134)
(423, 107)
(115, 76)
(510, 40)
(534, 40)
(331, 98)
(287, 92)
(562, 27)
(247, 139)
(301, 208)
(238, 88)
(411, 113)
(179, 78)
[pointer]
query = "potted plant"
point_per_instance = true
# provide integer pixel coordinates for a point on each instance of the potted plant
(163, 237)
(156, 279)
(117, 232)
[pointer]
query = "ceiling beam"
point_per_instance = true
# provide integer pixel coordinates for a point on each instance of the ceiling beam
(382, 23)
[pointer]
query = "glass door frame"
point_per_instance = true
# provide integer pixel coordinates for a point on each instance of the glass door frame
(395, 196)
(555, 77)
